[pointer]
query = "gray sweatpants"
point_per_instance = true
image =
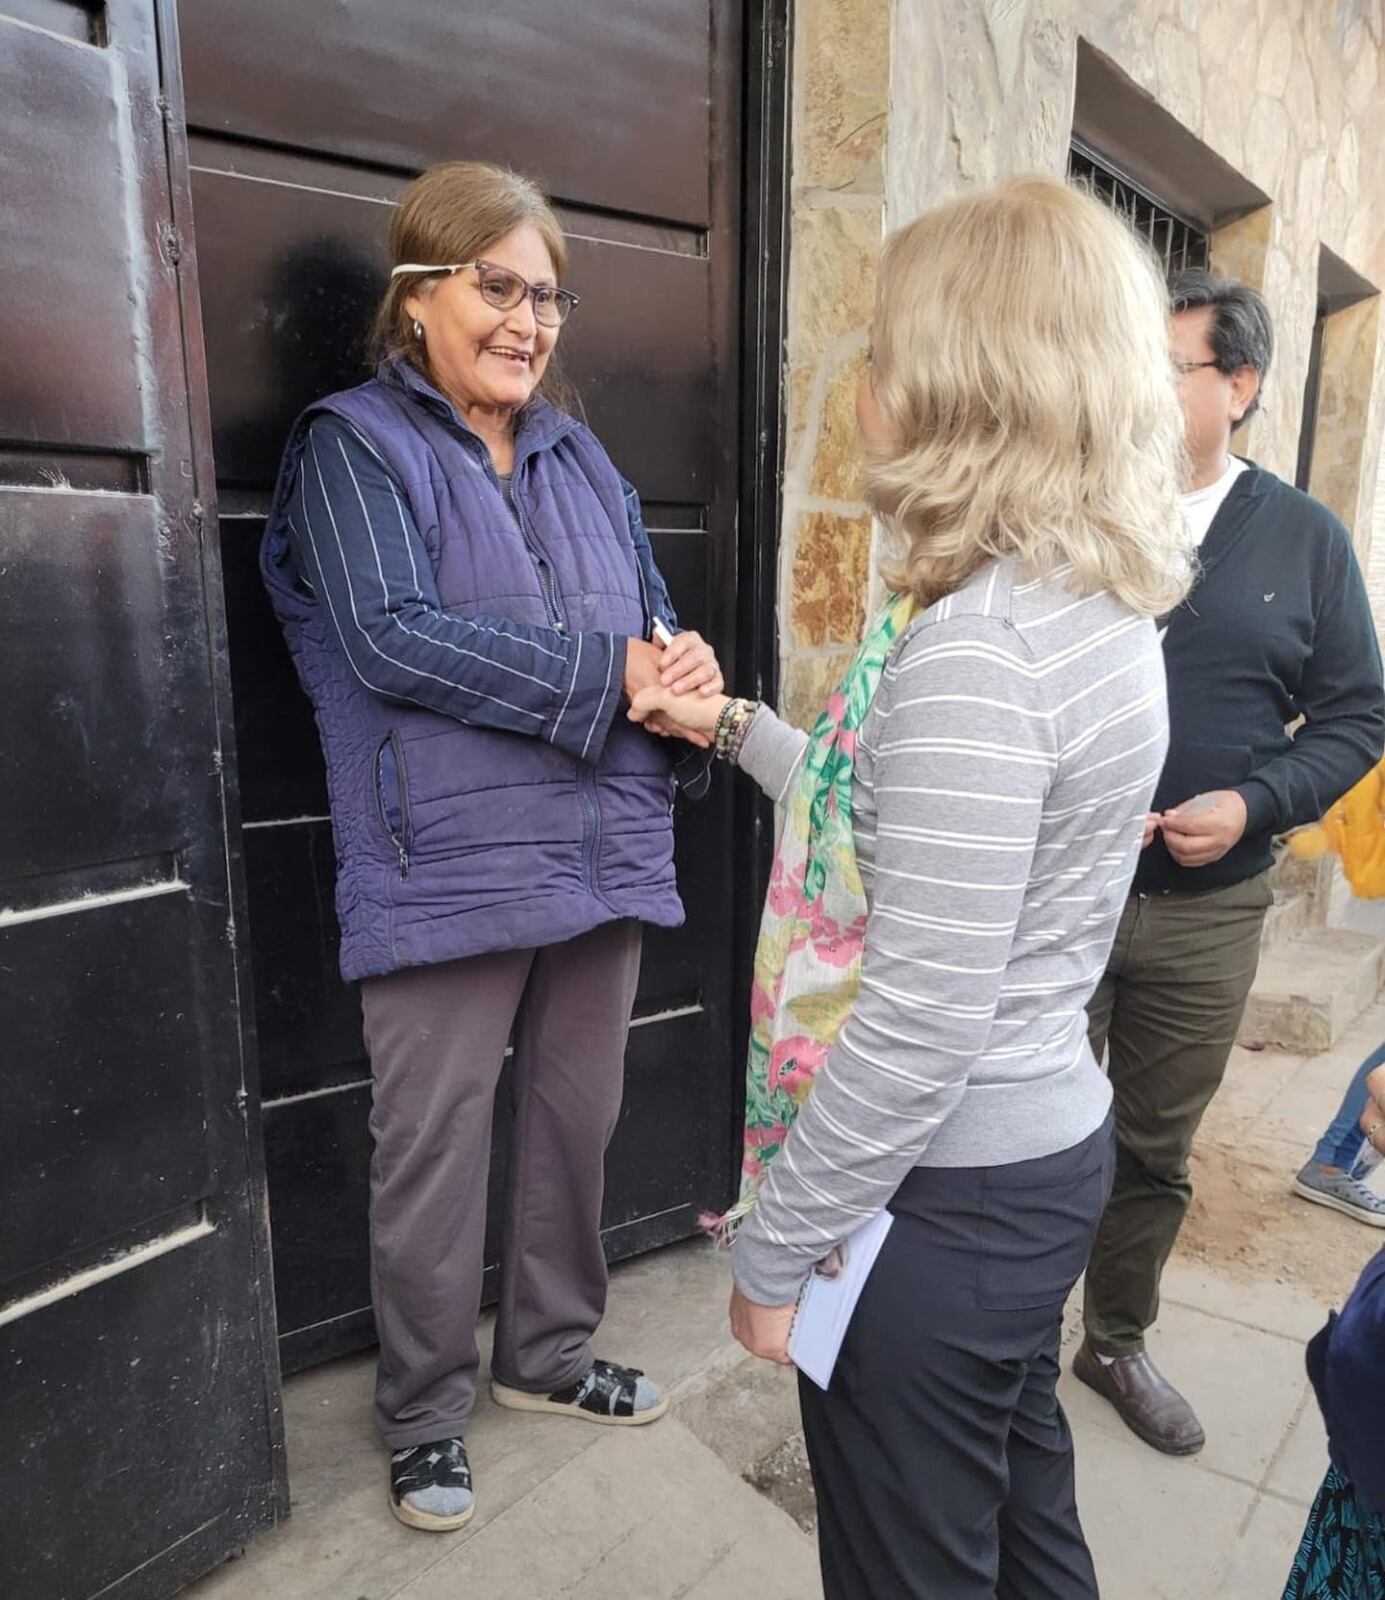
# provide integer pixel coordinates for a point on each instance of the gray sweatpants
(436, 1037)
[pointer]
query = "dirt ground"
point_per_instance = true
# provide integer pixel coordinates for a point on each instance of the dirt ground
(1245, 1221)
(784, 1478)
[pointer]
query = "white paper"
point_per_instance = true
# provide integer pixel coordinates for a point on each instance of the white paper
(826, 1304)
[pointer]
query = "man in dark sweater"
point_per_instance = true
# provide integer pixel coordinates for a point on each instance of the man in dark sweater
(1278, 627)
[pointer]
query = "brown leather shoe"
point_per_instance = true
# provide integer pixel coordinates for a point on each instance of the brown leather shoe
(1146, 1402)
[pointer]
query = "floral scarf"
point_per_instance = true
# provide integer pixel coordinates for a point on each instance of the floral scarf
(812, 933)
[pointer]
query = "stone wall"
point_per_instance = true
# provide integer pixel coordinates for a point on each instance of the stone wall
(841, 86)
(901, 103)
(1339, 478)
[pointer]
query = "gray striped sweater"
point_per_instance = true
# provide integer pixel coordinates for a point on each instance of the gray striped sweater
(1002, 778)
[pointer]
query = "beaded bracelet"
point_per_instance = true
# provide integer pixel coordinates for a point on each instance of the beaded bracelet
(738, 738)
(732, 725)
(727, 717)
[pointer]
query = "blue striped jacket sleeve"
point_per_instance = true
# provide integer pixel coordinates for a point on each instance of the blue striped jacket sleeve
(357, 547)
(653, 590)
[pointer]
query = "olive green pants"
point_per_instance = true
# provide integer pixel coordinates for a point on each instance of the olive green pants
(1167, 1011)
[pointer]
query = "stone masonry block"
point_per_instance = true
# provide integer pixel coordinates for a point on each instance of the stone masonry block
(827, 596)
(844, 46)
(832, 276)
(837, 463)
(807, 682)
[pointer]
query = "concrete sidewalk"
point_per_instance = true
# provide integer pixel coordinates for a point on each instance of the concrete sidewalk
(565, 1509)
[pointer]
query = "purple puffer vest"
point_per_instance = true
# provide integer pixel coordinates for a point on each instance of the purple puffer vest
(452, 840)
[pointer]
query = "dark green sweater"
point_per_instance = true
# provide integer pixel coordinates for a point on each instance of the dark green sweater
(1277, 627)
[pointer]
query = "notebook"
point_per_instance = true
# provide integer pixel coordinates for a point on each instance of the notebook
(826, 1304)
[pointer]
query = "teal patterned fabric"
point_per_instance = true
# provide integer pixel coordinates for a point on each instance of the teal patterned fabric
(1342, 1556)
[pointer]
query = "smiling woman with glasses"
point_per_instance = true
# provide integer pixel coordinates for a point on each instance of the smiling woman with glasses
(470, 596)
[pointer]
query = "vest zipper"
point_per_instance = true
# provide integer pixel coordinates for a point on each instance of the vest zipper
(586, 789)
(546, 583)
(399, 840)
(535, 549)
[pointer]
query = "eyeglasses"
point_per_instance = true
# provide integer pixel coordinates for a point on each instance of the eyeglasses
(1183, 368)
(504, 290)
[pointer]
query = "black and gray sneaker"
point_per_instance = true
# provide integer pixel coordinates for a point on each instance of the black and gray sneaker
(430, 1486)
(620, 1397)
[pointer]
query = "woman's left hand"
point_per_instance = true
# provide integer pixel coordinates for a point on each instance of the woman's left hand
(687, 716)
(689, 665)
(763, 1330)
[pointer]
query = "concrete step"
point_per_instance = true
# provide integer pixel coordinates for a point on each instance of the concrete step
(1311, 989)
(1308, 877)
(1290, 916)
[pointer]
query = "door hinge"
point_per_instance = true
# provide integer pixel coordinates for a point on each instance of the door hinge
(173, 244)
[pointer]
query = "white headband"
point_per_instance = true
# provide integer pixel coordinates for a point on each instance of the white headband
(413, 266)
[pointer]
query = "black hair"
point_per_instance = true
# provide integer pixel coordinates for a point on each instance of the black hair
(1241, 333)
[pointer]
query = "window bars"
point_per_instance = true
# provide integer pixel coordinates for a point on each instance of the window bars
(1176, 242)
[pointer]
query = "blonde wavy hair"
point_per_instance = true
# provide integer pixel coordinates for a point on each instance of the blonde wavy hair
(1021, 361)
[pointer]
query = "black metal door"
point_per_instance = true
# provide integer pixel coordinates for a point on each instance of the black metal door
(140, 1439)
(305, 123)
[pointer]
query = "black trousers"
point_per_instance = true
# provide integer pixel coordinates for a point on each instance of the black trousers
(941, 1457)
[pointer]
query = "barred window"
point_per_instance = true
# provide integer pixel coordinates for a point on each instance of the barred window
(1177, 242)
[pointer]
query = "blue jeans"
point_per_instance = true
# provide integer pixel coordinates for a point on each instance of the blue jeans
(1338, 1146)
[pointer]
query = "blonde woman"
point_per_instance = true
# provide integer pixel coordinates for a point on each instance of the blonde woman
(960, 833)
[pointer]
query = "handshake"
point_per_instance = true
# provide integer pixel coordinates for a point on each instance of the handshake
(674, 687)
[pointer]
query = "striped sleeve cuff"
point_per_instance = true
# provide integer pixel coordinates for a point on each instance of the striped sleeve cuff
(588, 707)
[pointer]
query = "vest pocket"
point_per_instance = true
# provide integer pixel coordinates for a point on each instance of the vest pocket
(392, 797)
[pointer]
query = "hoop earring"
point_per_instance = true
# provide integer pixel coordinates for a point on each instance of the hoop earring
(418, 330)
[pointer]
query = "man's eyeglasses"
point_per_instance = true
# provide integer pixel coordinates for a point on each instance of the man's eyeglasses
(504, 290)
(1183, 368)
